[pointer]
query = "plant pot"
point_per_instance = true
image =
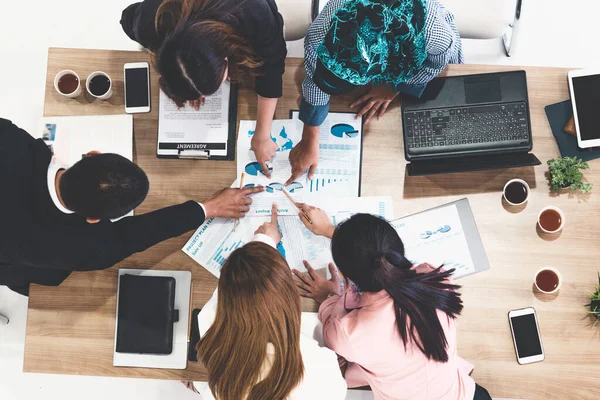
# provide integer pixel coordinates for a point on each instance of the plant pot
(595, 304)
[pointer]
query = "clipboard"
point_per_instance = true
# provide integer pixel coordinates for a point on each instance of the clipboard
(202, 151)
(471, 233)
(294, 114)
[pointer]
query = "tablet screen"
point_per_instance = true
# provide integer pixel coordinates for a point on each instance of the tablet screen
(587, 102)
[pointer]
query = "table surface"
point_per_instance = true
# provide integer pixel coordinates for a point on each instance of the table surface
(70, 328)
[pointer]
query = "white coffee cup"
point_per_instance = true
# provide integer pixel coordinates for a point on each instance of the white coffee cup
(62, 73)
(562, 219)
(552, 269)
(108, 93)
(521, 181)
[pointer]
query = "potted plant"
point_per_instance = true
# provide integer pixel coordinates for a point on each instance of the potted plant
(594, 304)
(565, 172)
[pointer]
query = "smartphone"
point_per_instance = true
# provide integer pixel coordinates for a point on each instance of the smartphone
(526, 335)
(137, 87)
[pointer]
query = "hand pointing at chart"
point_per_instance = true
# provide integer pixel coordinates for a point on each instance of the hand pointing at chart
(305, 155)
(271, 229)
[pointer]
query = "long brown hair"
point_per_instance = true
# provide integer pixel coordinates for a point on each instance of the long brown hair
(258, 304)
(199, 47)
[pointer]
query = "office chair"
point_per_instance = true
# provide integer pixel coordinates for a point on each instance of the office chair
(297, 17)
(489, 19)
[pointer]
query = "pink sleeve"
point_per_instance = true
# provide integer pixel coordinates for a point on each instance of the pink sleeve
(330, 313)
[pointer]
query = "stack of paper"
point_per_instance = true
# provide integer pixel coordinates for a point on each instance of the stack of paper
(216, 239)
(334, 188)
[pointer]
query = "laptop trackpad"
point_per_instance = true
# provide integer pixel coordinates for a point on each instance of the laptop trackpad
(482, 90)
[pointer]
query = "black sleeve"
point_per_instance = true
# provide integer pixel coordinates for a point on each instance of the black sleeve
(266, 25)
(138, 22)
(102, 245)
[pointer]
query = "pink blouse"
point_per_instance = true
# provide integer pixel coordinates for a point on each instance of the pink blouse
(362, 329)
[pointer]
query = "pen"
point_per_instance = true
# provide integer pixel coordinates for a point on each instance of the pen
(293, 202)
(241, 186)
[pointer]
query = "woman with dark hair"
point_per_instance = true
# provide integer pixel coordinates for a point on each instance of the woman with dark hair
(387, 46)
(251, 342)
(197, 44)
(393, 322)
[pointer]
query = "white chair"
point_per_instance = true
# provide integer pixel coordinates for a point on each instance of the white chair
(297, 17)
(487, 19)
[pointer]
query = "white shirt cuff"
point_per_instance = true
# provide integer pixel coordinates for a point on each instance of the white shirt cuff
(261, 237)
(203, 209)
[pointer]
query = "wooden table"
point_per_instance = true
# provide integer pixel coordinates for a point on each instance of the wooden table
(70, 328)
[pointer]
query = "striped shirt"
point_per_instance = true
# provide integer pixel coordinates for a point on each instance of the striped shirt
(443, 46)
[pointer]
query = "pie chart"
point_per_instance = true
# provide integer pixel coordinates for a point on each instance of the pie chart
(254, 168)
(344, 130)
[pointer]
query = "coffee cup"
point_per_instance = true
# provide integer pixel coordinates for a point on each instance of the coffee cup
(548, 280)
(551, 219)
(99, 85)
(516, 192)
(67, 83)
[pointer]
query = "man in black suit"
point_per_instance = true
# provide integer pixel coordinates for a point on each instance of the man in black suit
(55, 220)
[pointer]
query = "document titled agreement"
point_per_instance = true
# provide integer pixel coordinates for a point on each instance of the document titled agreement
(189, 133)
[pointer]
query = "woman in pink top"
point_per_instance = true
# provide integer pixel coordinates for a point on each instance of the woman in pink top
(391, 323)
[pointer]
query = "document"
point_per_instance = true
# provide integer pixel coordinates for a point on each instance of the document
(338, 173)
(195, 133)
(71, 138)
(436, 237)
(216, 239)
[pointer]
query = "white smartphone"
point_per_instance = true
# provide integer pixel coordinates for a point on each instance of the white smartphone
(137, 87)
(526, 335)
(584, 86)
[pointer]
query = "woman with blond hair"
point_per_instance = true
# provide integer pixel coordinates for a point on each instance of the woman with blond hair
(251, 342)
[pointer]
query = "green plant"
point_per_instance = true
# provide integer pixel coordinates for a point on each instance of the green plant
(594, 304)
(566, 172)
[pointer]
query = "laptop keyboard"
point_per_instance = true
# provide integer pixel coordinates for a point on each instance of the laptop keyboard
(467, 127)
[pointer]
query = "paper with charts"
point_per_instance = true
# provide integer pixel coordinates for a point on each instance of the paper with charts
(338, 173)
(436, 237)
(216, 239)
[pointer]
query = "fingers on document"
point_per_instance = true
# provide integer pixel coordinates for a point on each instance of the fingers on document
(252, 190)
(265, 168)
(274, 213)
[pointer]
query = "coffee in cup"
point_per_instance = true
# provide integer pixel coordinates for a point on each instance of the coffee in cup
(548, 280)
(99, 85)
(516, 192)
(67, 83)
(551, 219)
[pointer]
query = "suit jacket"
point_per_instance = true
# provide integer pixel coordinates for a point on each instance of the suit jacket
(40, 244)
(257, 21)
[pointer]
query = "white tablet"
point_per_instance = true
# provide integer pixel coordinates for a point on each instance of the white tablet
(584, 86)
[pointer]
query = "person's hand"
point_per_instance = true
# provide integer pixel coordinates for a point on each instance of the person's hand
(196, 104)
(321, 224)
(270, 228)
(375, 101)
(305, 155)
(264, 150)
(315, 287)
(230, 203)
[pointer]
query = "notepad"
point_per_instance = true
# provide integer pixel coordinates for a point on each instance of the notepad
(146, 314)
(177, 359)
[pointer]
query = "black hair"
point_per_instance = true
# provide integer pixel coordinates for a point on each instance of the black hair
(194, 58)
(103, 186)
(369, 252)
(329, 83)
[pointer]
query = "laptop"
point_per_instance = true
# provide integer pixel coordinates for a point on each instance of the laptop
(468, 123)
